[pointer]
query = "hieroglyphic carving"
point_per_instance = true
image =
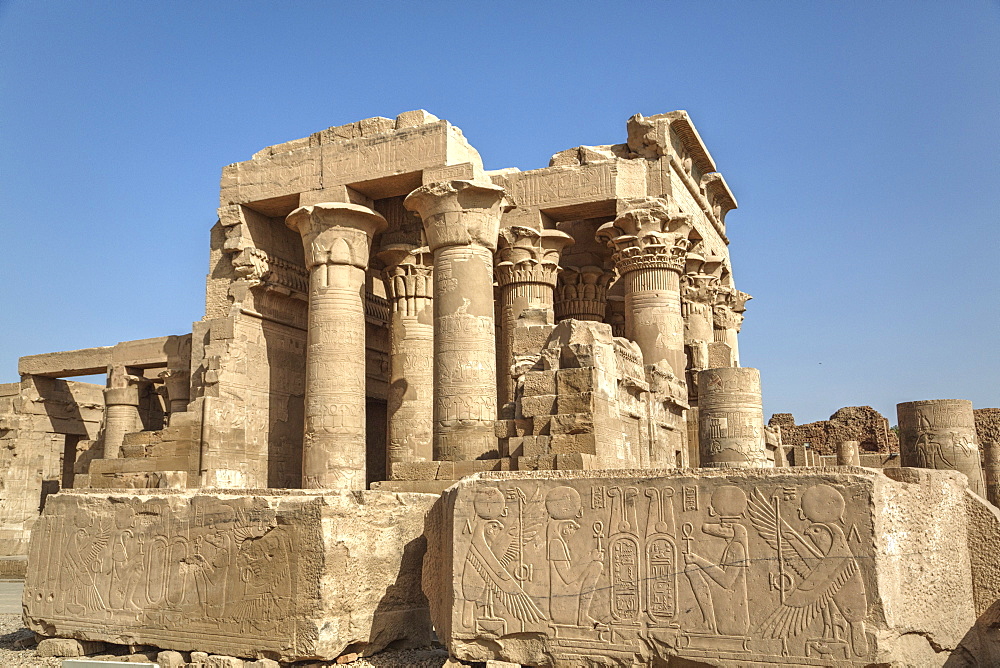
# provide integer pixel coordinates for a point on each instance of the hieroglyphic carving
(731, 418)
(336, 239)
(629, 573)
(181, 571)
(941, 434)
(818, 576)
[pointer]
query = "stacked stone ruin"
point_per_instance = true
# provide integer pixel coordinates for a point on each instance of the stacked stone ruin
(500, 409)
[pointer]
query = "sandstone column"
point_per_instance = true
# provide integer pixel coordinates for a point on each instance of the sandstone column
(337, 239)
(699, 289)
(941, 434)
(650, 243)
(461, 222)
(849, 453)
(526, 272)
(728, 314)
(410, 286)
(178, 385)
(991, 466)
(582, 293)
(121, 410)
(731, 419)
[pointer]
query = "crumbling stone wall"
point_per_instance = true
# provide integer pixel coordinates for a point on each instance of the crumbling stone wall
(852, 423)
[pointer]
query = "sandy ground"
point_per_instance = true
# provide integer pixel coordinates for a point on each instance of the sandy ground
(11, 656)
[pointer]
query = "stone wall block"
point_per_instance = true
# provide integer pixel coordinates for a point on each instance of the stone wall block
(236, 575)
(658, 551)
(542, 404)
(572, 423)
(573, 443)
(539, 382)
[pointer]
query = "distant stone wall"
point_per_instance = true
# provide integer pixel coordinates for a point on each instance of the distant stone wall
(853, 423)
(987, 425)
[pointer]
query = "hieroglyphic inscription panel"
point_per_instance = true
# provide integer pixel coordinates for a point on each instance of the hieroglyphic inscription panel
(774, 570)
(181, 572)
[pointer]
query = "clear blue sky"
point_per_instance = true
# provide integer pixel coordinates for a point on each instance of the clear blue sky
(860, 138)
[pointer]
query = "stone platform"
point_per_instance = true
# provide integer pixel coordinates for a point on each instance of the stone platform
(816, 567)
(285, 575)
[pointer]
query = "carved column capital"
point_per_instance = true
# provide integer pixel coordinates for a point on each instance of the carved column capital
(582, 292)
(122, 388)
(458, 213)
(648, 235)
(526, 255)
(730, 304)
(408, 272)
(336, 232)
(700, 282)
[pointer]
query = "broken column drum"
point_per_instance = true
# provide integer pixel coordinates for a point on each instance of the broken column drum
(941, 434)
(650, 243)
(337, 239)
(409, 283)
(121, 410)
(461, 222)
(731, 419)
(849, 453)
(526, 272)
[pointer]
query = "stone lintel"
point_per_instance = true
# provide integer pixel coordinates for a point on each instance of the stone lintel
(141, 354)
(573, 192)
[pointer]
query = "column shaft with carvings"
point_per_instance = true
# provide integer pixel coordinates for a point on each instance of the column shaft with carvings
(526, 272)
(410, 286)
(731, 419)
(121, 410)
(461, 222)
(650, 243)
(337, 239)
(730, 305)
(941, 434)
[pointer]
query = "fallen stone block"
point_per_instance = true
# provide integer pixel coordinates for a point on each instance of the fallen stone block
(67, 647)
(842, 566)
(297, 575)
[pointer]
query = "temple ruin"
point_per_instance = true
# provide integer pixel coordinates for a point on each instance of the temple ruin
(501, 410)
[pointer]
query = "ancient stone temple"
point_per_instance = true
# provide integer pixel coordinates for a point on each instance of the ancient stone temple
(503, 410)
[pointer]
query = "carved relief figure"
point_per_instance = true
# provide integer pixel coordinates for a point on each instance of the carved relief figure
(488, 586)
(825, 580)
(720, 588)
(572, 581)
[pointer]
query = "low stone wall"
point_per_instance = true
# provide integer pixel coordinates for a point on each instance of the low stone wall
(286, 576)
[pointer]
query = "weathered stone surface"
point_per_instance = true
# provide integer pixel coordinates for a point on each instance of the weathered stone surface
(170, 659)
(941, 434)
(851, 423)
(751, 567)
(299, 575)
(731, 418)
(68, 647)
